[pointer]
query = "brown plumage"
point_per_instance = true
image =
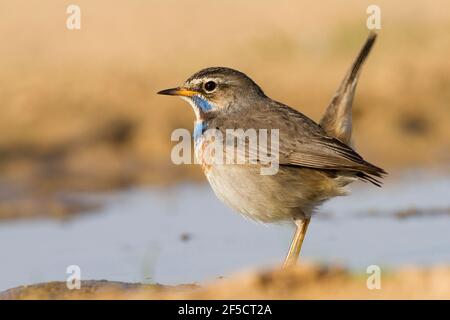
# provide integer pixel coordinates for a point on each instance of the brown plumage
(315, 161)
(337, 120)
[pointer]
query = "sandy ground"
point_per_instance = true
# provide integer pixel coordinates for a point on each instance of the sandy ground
(303, 282)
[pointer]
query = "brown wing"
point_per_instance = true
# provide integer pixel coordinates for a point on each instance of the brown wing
(302, 142)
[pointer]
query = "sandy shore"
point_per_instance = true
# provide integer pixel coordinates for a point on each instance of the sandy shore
(303, 282)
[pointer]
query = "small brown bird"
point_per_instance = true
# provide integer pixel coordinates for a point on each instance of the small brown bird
(316, 161)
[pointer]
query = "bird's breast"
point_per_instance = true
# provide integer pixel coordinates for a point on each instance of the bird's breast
(202, 150)
(201, 154)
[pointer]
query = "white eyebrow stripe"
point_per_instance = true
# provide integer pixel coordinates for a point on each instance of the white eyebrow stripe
(201, 80)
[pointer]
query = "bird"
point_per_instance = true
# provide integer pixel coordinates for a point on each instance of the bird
(316, 160)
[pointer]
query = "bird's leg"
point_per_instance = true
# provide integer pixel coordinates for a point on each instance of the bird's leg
(297, 241)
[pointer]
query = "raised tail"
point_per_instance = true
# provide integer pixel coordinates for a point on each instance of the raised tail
(337, 120)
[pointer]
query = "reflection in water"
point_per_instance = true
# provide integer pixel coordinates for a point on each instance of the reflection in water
(185, 234)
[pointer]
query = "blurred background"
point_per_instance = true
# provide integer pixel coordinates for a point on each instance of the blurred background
(80, 120)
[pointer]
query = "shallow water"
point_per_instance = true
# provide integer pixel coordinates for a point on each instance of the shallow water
(185, 234)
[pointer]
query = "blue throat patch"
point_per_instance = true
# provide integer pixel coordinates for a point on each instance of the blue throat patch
(202, 103)
(204, 106)
(199, 128)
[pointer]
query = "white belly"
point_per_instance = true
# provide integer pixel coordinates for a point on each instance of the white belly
(291, 193)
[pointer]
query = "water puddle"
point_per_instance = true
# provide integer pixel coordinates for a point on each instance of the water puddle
(185, 234)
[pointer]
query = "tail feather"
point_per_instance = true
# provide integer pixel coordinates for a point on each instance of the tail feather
(337, 120)
(368, 178)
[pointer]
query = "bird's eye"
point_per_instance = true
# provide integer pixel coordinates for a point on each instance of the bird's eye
(210, 86)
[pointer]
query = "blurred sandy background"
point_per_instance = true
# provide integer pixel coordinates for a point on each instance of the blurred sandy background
(79, 109)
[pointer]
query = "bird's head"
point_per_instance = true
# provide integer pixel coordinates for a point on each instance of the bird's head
(216, 89)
